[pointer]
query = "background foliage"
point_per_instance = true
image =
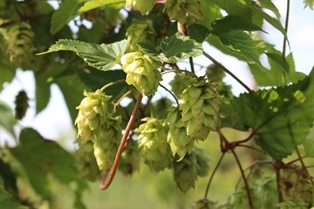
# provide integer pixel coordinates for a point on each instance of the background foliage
(123, 50)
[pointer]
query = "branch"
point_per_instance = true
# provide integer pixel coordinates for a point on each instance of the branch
(104, 185)
(226, 71)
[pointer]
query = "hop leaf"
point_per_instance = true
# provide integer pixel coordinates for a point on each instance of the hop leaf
(106, 143)
(153, 146)
(92, 113)
(200, 110)
(85, 160)
(179, 141)
(21, 104)
(142, 72)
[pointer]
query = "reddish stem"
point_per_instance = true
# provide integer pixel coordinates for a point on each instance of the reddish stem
(105, 184)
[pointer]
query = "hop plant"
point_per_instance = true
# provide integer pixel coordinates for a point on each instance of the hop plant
(153, 146)
(179, 141)
(200, 110)
(92, 114)
(177, 10)
(143, 6)
(140, 31)
(187, 170)
(205, 204)
(106, 142)
(177, 86)
(20, 44)
(309, 3)
(86, 161)
(21, 104)
(142, 72)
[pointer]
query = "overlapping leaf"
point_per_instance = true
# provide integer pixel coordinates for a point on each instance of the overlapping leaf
(282, 117)
(175, 48)
(7, 119)
(102, 57)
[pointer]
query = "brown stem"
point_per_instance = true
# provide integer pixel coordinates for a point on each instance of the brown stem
(105, 184)
(247, 188)
(280, 197)
(213, 174)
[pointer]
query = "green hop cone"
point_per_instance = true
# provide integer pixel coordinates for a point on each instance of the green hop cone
(189, 168)
(179, 141)
(142, 72)
(85, 160)
(309, 3)
(177, 85)
(200, 110)
(140, 31)
(106, 143)
(143, 6)
(92, 113)
(205, 204)
(177, 10)
(153, 146)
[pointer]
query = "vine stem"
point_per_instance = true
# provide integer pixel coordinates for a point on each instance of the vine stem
(191, 64)
(170, 92)
(104, 185)
(284, 45)
(247, 188)
(111, 84)
(226, 70)
(212, 175)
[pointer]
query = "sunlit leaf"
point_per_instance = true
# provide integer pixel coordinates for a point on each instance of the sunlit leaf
(102, 57)
(89, 5)
(177, 48)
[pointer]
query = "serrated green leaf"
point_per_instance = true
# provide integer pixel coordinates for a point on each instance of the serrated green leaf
(281, 72)
(273, 21)
(7, 201)
(233, 22)
(102, 57)
(211, 12)
(240, 43)
(67, 11)
(282, 117)
(268, 4)
(198, 32)
(40, 158)
(7, 119)
(148, 48)
(89, 5)
(175, 48)
(308, 145)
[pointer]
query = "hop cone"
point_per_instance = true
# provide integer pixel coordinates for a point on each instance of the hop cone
(130, 159)
(200, 110)
(153, 146)
(85, 160)
(106, 143)
(142, 72)
(177, 10)
(179, 141)
(20, 39)
(177, 86)
(139, 31)
(205, 204)
(92, 114)
(21, 104)
(189, 168)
